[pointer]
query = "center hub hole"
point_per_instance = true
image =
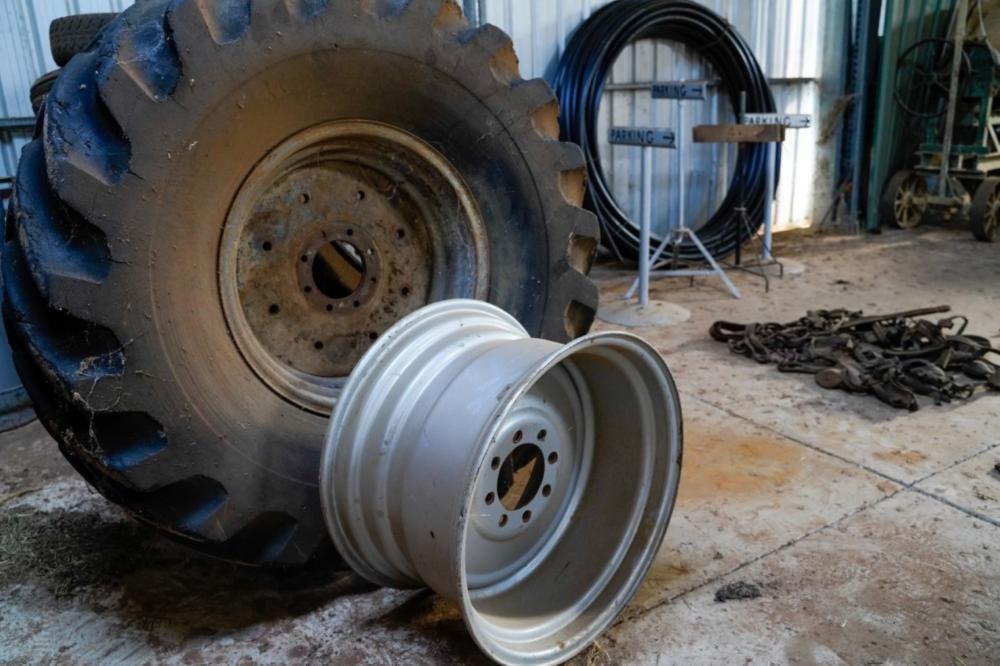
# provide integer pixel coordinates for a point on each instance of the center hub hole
(338, 269)
(520, 476)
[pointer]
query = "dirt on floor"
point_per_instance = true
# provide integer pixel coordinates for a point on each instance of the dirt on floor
(837, 529)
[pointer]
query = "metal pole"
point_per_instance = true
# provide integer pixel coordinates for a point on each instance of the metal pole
(769, 202)
(681, 223)
(961, 11)
(645, 223)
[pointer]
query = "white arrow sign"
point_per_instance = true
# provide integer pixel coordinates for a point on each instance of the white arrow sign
(653, 137)
(789, 120)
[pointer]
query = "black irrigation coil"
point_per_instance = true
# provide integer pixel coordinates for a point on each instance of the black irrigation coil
(579, 84)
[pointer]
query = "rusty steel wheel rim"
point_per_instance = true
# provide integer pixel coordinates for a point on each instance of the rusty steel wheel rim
(338, 232)
(910, 202)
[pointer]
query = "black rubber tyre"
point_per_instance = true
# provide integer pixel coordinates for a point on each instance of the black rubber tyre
(70, 35)
(904, 200)
(40, 88)
(111, 269)
(984, 215)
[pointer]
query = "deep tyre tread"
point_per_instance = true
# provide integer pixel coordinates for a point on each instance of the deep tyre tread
(117, 338)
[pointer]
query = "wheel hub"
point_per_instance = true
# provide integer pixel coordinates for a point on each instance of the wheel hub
(337, 233)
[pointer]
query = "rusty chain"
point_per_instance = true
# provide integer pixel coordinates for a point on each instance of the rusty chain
(895, 357)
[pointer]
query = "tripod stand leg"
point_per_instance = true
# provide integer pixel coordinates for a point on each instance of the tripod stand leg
(716, 268)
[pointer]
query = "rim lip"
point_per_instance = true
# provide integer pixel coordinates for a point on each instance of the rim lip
(354, 392)
(567, 649)
(312, 392)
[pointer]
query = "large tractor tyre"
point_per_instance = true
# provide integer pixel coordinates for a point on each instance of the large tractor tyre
(74, 34)
(231, 200)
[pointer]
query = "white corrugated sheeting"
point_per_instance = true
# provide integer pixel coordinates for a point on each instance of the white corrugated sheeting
(25, 56)
(787, 35)
(793, 41)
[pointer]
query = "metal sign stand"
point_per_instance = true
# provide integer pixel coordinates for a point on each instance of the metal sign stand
(644, 312)
(680, 92)
(765, 257)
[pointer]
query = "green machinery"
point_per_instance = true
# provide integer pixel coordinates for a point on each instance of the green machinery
(951, 87)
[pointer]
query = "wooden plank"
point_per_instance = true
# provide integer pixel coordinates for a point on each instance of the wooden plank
(733, 133)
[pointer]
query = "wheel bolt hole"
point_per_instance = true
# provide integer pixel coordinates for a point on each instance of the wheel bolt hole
(553, 457)
(400, 234)
(495, 463)
(307, 289)
(357, 304)
(526, 516)
(546, 490)
(329, 307)
(267, 246)
(360, 195)
(274, 309)
(405, 291)
(318, 344)
(350, 232)
(304, 198)
(490, 497)
(373, 335)
(503, 520)
(518, 436)
(304, 259)
(541, 435)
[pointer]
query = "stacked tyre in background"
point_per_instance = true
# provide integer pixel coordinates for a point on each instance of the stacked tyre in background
(67, 37)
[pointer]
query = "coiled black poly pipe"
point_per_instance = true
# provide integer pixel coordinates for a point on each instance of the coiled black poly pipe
(579, 84)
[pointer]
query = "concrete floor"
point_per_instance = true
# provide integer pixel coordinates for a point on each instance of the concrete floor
(873, 533)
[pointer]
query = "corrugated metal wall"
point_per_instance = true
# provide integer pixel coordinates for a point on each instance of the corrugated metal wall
(24, 56)
(799, 43)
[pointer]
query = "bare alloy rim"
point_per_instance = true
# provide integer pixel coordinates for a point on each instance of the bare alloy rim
(338, 232)
(490, 466)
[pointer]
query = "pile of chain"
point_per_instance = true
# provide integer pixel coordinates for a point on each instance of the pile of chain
(895, 357)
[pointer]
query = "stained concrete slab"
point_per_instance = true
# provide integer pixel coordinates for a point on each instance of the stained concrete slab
(902, 445)
(865, 527)
(907, 581)
(758, 484)
(973, 484)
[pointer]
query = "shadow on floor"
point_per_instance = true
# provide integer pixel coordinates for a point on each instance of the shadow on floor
(77, 555)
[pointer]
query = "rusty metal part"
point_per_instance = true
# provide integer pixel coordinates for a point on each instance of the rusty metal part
(528, 481)
(904, 200)
(340, 231)
(895, 357)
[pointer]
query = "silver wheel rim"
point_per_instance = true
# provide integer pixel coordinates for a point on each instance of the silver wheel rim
(355, 198)
(420, 441)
